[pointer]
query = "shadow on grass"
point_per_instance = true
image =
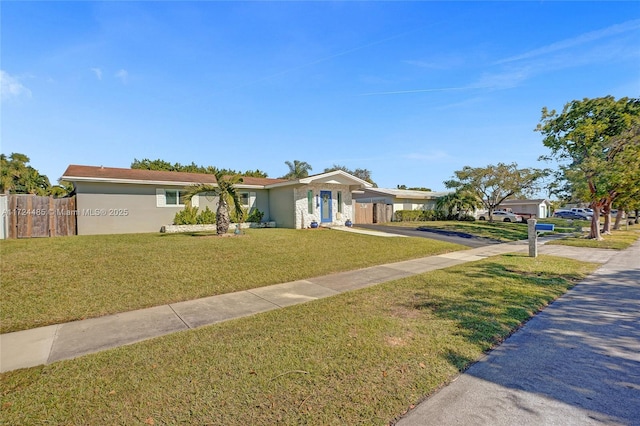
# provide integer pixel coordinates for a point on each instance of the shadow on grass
(582, 351)
(488, 314)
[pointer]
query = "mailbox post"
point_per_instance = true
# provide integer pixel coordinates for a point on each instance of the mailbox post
(534, 228)
(533, 238)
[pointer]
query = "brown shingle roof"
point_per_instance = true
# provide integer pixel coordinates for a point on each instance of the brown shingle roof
(109, 173)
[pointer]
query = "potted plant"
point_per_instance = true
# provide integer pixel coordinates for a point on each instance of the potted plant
(348, 223)
(314, 224)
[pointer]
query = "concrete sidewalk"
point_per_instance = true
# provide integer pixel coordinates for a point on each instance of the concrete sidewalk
(575, 363)
(45, 345)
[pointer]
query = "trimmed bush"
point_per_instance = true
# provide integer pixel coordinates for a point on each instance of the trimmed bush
(186, 216)
(255, 216)
(206, 217)
(419, 215)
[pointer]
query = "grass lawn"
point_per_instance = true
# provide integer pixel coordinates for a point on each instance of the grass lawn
(362, 357)
(501, 231)
(617, 240)
(54, 280)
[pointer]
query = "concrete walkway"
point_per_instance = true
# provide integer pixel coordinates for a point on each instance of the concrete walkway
(45, 345)
(575, 363)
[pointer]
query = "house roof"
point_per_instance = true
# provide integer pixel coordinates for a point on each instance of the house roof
(338, 177)
(406, 193)
(76, 173)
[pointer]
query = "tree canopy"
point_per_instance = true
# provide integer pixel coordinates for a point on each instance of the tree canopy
(363, 174)
(413, 188)
(597, 144)
(18, 177)
(297, 169)
(146, 164)
(494, 184)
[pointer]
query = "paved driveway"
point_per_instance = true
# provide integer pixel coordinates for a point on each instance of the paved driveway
(434, 234)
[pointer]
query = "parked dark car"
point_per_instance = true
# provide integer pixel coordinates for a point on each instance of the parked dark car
(570, 215)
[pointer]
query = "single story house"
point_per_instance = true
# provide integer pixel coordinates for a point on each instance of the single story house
(117, 201)
(538, 208)
(401, 199)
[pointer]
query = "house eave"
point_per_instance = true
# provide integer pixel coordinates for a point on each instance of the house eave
(337, 177)
(146, 182)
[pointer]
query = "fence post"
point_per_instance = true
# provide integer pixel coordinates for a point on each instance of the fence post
(533, 238)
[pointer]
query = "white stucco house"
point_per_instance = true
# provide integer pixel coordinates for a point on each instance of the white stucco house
(117, 200)
(401, 199)
(538, 208)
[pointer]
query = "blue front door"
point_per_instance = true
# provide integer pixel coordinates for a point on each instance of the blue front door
(325, 206)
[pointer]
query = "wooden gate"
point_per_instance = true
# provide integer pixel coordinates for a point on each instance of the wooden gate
(368, 213)
(31, 216)
(382, 212)
(363, 213)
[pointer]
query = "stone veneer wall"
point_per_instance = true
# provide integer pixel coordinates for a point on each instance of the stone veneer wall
(173, 229)
(302, 217)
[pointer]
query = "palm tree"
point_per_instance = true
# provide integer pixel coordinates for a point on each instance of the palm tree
(459, 201)
(227, 194)
(297, 169)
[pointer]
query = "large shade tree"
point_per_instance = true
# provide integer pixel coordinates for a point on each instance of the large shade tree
(596, 144)
(18, 177)
(146, 164)
(495, 183)
(364, 174)
(228, 195)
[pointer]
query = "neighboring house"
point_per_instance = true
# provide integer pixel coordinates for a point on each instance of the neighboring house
(117, 201)
(401, 199)
(539, 208)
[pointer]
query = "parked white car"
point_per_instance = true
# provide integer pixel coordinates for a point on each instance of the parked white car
(502, 216)
(583, 212)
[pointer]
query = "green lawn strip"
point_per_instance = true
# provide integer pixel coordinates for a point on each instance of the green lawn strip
(500, 231)
(617, 240)
(362, 357)
(54, 280)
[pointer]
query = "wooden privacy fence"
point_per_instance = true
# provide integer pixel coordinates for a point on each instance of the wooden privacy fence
(30, 216)
(367, 213)
(363, 213)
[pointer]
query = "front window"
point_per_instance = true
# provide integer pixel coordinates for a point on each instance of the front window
(310, 201)
(174, 197)
(244, 199)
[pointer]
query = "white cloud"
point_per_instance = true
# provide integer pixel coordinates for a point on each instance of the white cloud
(11, 87)
(97, 72)
(123, 75)
(576, 41)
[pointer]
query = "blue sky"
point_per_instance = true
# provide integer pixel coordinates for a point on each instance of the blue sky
(411, 91)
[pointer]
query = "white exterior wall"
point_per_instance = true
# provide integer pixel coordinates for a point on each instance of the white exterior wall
(303, 218)
(539, 210)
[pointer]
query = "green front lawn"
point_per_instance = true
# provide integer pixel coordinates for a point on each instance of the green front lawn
(362, 357)
(54, 280)
(501, 231)
(617, 240)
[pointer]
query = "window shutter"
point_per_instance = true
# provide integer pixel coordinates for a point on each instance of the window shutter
(252, 200)
(195, 200)
(161, 201)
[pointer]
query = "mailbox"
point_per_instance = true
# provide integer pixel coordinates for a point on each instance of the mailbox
(544, 226)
